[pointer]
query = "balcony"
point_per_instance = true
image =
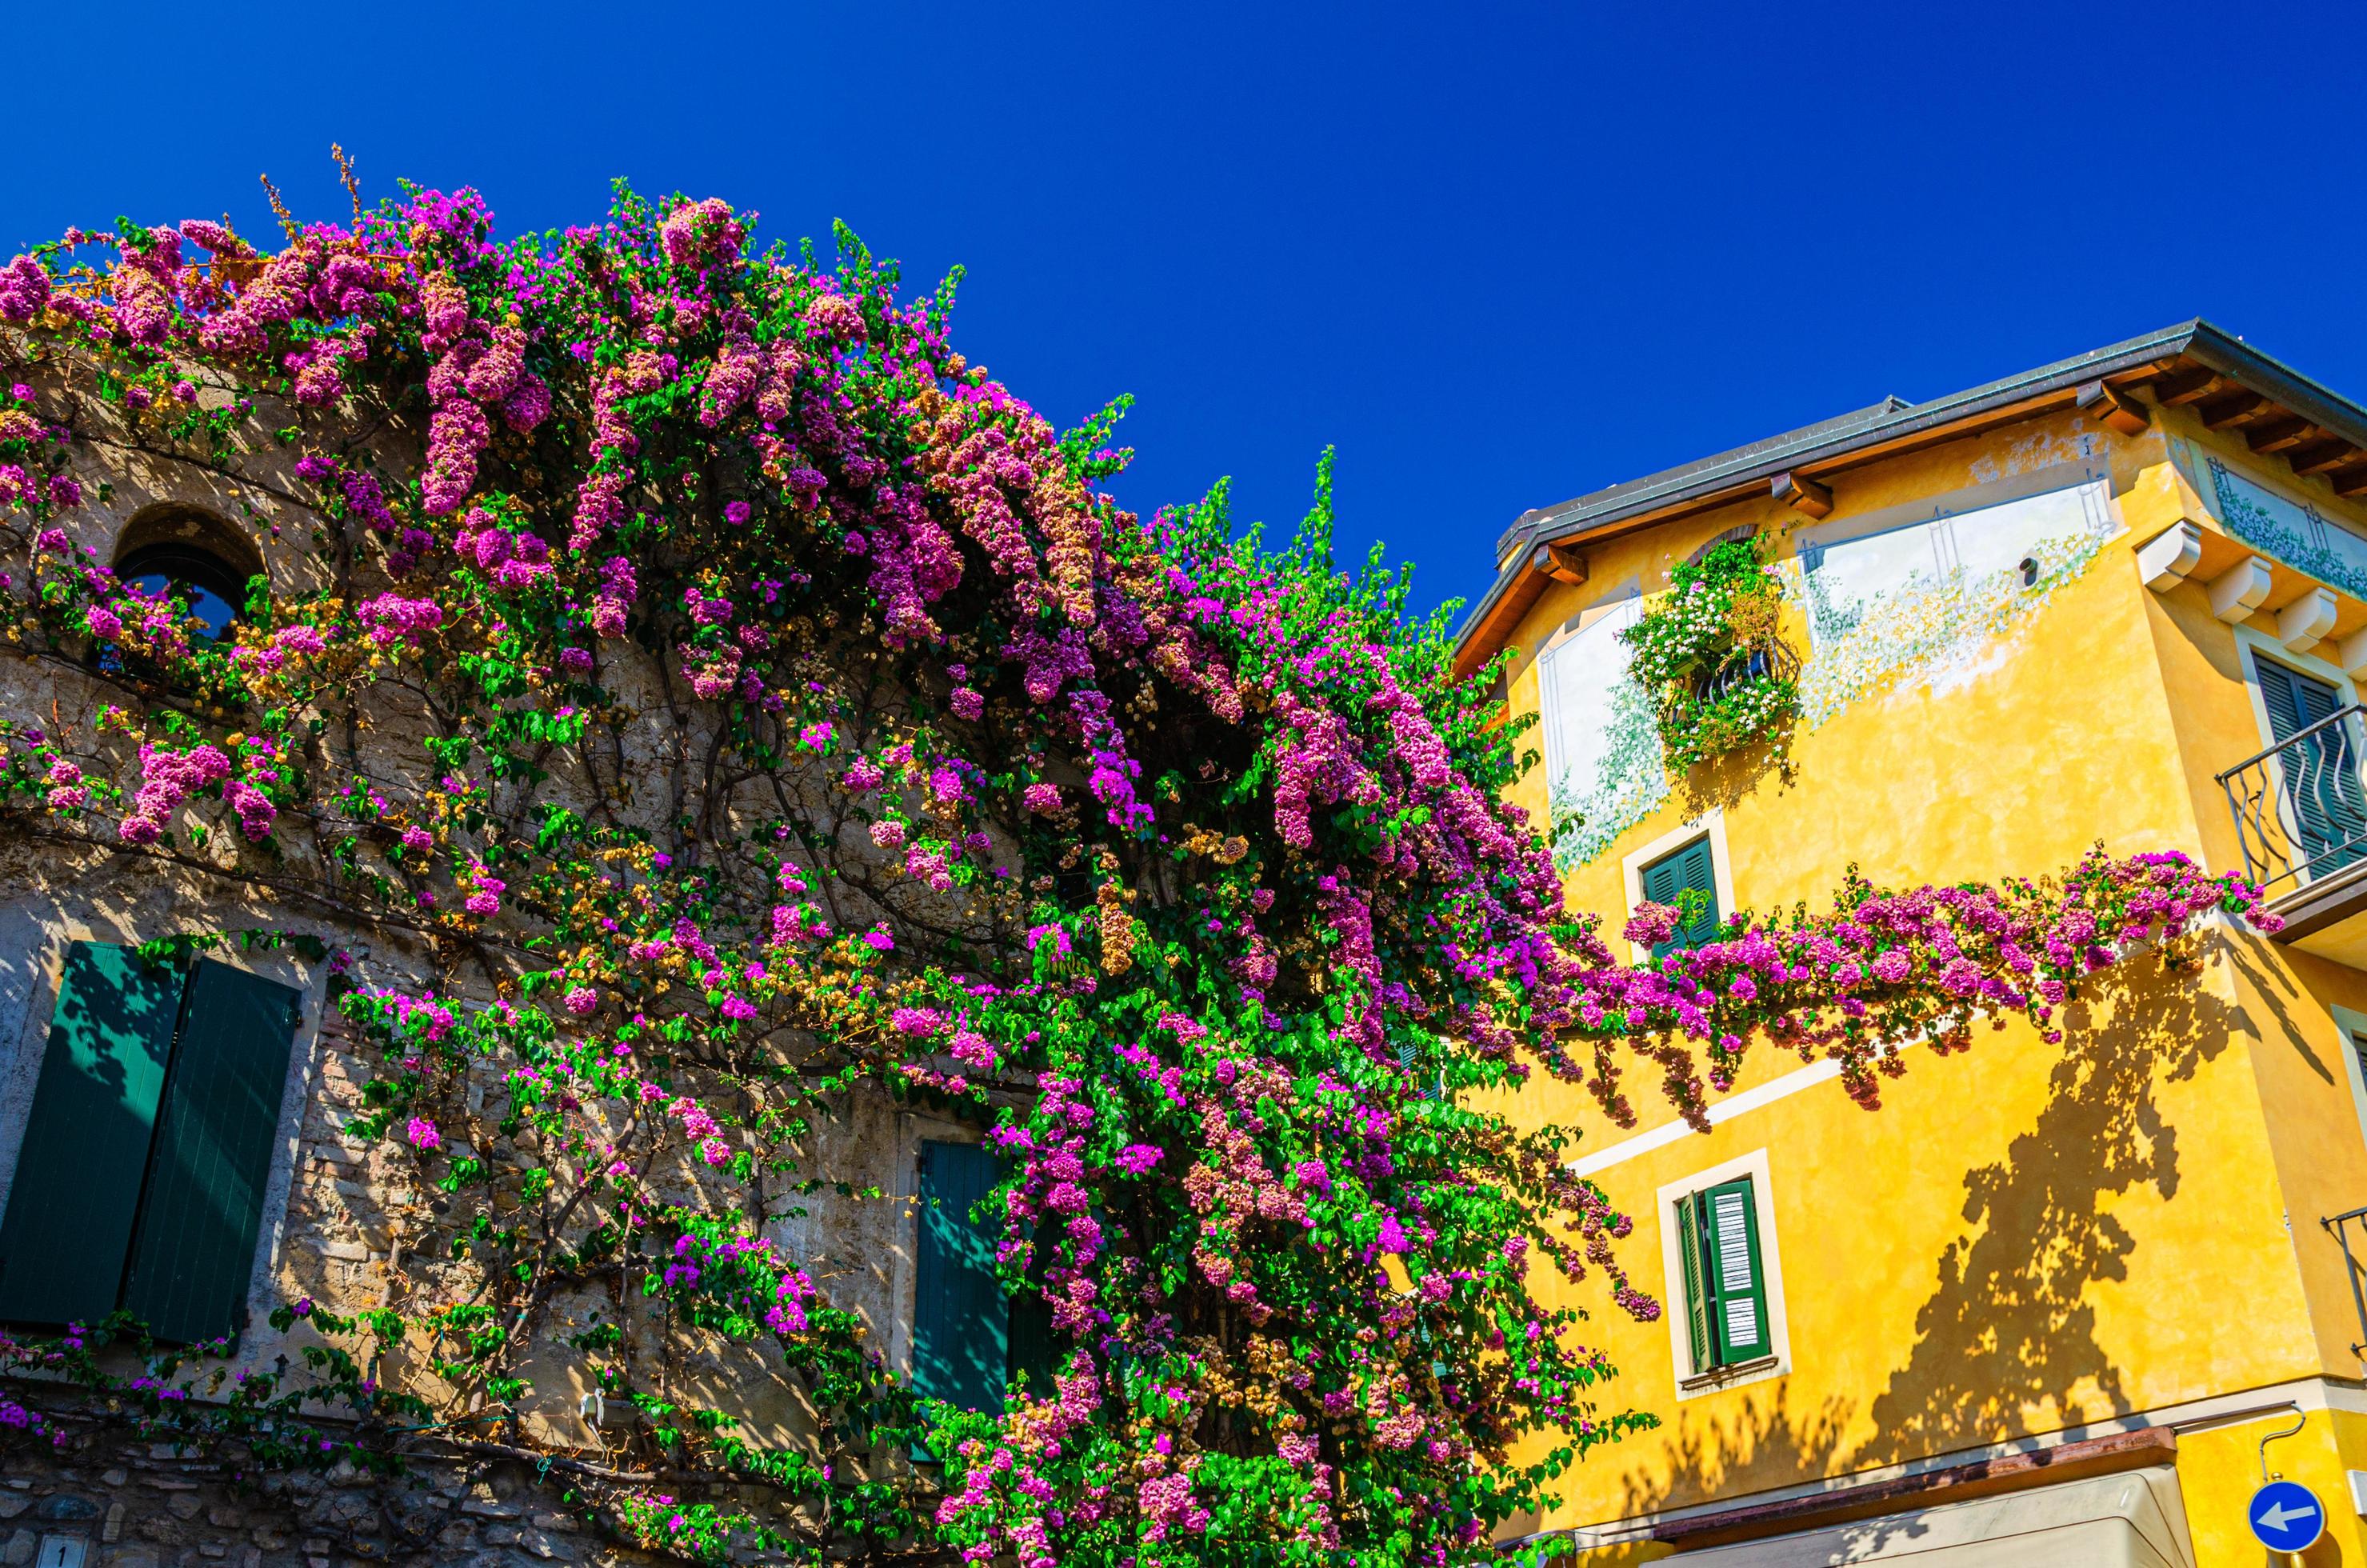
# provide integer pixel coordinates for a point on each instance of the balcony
(2300, 815)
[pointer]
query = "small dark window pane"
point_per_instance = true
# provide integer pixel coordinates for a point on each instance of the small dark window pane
(206, 582)
(203, 602)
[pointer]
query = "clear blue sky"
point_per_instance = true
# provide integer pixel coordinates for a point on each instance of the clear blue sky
(1496, 255)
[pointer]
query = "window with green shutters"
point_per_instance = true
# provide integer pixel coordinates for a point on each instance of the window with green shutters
(1668, 879)
(2320, 775)
(140, 1182)
(1725, 1277)
(971, 1338)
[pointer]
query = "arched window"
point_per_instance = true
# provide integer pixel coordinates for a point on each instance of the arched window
(201, 580)
(191, 556)
(1741, 531)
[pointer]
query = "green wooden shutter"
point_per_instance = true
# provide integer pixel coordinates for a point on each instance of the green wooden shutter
(1730, 1221)
(1671, 875)
(1698, 870)
(76, 1194)
(2284, 698)
(2320, 776)
(1698, 1306)
(203, 1210)
(1660, 885)
(961, 1319)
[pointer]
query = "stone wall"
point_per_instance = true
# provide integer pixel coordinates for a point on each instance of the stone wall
(141, 1505)
(348, 1223)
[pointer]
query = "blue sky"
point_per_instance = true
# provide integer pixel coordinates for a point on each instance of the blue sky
(1496, 254)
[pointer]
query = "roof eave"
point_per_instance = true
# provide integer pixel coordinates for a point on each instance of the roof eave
(1519, 585)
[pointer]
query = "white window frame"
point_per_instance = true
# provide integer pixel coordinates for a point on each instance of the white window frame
(1710, 825)
(2351, 1023)
(1689, 1383)
(2257, 645)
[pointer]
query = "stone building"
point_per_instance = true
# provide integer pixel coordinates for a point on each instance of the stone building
(174, 1128)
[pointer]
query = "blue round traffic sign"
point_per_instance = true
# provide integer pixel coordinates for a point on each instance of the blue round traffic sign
(2285, 1516)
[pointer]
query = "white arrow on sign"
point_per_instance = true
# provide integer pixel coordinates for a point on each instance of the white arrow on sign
(2276, 1516)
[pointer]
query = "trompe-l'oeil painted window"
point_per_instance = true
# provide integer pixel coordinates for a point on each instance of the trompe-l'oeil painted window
(140, 1182)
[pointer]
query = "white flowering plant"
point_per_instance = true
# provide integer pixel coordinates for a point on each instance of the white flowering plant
(1708, 653)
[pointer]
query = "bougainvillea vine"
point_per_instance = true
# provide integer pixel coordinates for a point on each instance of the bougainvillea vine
(751, 705)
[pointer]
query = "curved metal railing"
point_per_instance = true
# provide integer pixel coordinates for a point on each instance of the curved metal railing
(2301, 805)
(1757, 662)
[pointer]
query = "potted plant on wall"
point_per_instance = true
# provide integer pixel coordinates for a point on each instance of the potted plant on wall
(1709, 652)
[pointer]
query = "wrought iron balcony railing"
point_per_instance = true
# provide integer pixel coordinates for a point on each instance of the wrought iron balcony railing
(2336, 1224)
(1758, 660)
(2301, 805)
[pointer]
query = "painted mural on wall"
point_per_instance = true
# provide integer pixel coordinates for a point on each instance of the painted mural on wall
(1930, 599)
(2294, 531)
(1601, 741)
(1925, 601)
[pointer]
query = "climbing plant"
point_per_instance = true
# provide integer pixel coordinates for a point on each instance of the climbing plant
(747, 704)
(1708, 652)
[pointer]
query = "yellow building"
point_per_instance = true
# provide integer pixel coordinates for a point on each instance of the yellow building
(2051, 1303)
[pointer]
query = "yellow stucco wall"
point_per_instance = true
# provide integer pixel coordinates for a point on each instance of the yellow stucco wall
(2027, 1237)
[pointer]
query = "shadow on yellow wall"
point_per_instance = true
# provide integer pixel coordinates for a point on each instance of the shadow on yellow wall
(2007, 1342)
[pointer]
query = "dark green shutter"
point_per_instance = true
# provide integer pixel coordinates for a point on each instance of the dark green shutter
(1698, 1296)
(2294, 701)
(1660, 885)
(74, 1203)
(1730, 1224)
(1670, 876)
(2319, 775)
(961, 1319)
(199, 1223)
(1700, 871)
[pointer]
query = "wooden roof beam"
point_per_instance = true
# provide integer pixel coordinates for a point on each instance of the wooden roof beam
(1803, 494)
(2318, 457)
(2228, 407)
(2186, 386)
(1560, 563)
(2115, 408)
(2350, 481)
(2278, 433)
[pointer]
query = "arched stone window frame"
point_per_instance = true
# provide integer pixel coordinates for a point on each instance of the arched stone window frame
(189, 544)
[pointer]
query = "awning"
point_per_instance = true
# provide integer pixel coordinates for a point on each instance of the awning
(2134, 1519)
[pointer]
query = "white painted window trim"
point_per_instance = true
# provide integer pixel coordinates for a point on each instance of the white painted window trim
(1710, 825)
(2259, 645)
(2352, 1023)
(1688, 1384)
